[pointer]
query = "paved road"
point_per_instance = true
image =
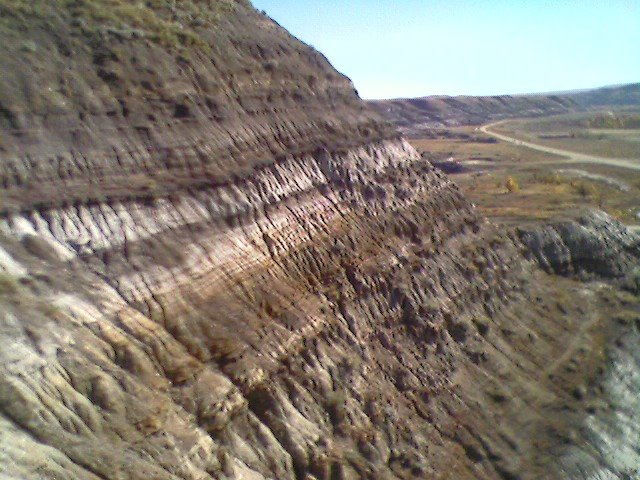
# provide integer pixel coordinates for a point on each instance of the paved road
(570, 157)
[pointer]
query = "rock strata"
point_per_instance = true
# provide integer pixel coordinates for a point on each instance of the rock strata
(217, 262)
(593, 244)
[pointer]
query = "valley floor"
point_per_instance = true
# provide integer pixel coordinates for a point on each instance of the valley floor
(554, 175)
(570, 156)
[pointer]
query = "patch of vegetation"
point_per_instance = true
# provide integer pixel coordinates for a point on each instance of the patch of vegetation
(611, 120)
(225, 349)
(29, 46)
(548, 178)
(585, 189)
(165, 253)
(482, 325)
(512, 185)
(169, 23)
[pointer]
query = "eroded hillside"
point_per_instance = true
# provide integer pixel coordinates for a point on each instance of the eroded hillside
(419, 116)
(217, 262)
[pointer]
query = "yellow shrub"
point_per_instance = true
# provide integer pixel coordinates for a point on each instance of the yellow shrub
(511, 184)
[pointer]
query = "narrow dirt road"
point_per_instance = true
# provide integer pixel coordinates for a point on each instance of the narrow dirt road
(570, 157)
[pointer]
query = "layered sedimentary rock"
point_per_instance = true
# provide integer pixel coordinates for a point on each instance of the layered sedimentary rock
(218, 263)
(593, 244)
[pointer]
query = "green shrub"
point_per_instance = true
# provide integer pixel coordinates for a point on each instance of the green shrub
(29, 46)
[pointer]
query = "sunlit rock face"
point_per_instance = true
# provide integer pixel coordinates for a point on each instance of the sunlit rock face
(216, 262)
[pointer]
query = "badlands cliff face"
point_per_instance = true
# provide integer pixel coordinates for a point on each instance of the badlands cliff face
(216, 262)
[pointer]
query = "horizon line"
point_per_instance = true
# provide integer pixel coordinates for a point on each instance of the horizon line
(524, 94)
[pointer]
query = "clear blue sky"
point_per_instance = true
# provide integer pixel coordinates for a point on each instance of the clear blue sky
(407, 48)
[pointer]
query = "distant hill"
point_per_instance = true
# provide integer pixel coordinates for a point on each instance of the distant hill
(614, 96)
(412, 115)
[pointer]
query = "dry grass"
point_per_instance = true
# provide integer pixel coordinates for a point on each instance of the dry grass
(158, 20)
(605, 134)
(512, 185)
(544, 193)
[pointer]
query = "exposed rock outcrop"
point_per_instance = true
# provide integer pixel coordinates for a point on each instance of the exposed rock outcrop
(218, 263)
(594, 243)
